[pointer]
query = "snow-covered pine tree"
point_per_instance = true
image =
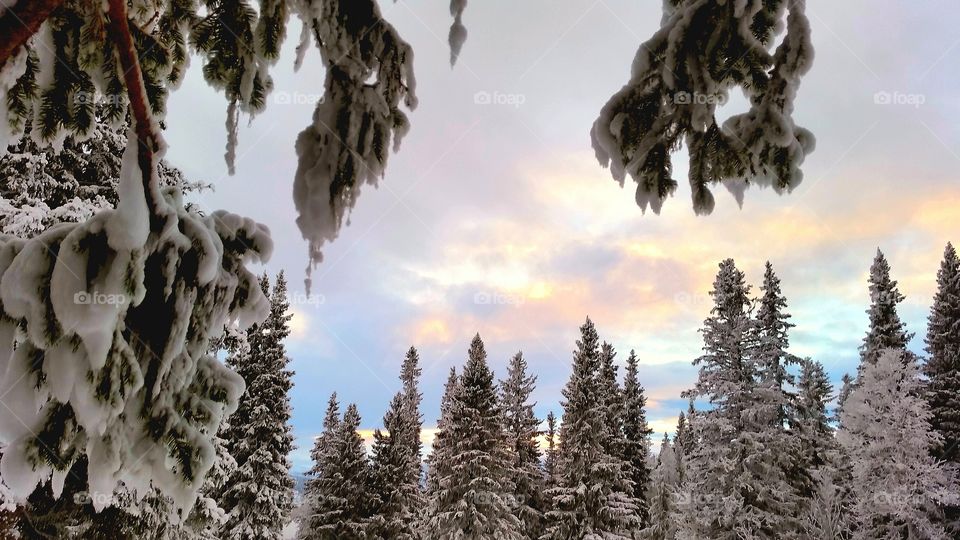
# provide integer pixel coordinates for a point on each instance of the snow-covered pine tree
(521, 427)
(589, 500)
(472, 499)
(438, 462)
(704, 49)
(886, 330)
(316, 502)
(636, 433)
(942, 368)
(342, 492)
(899, 485)
(259, 495)
(735, 472)
(823, 463)
(550, 454)
(661, 495)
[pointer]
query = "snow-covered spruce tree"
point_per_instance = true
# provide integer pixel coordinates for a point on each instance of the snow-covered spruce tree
(113, 362)
(58, 75)
(472, 499)
(886, 330)
(394, 494)
(550, 454)
(636, 433)
(438, 462)
(705, 48)
(942, 368)
(736, 482)
(822, 461)
(458, 32)
(663, 484)
(773, 405)
(341, 493)
(614, 438)
(316, 502)
(886, 430)
(846, 387)
(522, 428)
(589, 500)
(683, 441)
(259, 495)
(410, 372)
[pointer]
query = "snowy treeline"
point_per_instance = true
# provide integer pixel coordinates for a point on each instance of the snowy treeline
(763, 450)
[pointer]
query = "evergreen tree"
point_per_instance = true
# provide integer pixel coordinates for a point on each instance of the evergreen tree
(737, 467)
(683, 440)
(341, 492)
(410, 373)
(395, 493)
(472, 495)
(259, 495)
(550, 458)
(886, 330)
(846, 387)
(439, 459)
(316, 500)
(823, 464)
(942, 368)
(636, 435)
(521, 427)
(590, 500)
(664, 482)
(886, 430)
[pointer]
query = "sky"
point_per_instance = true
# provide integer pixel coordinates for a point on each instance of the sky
(496, 217)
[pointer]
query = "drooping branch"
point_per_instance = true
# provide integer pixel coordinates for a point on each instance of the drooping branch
(150, 141)
(21, 21)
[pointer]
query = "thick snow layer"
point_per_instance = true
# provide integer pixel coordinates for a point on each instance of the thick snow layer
(118, 320)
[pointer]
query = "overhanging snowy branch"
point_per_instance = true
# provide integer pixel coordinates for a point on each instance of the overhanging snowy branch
(681, 75)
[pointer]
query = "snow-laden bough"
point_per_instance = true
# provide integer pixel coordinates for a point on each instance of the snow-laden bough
(105, 330)
(681, 75)
(369, 74)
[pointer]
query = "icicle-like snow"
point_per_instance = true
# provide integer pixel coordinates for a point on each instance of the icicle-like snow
(458, 32)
